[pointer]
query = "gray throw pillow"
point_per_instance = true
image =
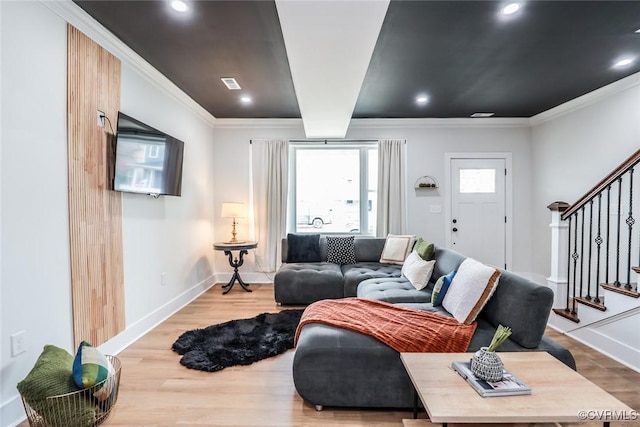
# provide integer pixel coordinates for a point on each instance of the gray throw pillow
(303, 247)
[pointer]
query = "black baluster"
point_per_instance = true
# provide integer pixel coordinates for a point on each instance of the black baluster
(630, 221)
(588, 296)
(575, 262)
(606, 271)
(599, 243)
(568, 264)
(582, 252)
(617, 282)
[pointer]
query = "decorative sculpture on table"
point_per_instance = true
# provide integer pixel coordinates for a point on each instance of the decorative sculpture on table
(486, 364)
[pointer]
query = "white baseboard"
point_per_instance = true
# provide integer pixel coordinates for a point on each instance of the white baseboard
(251, 277)
(138, 329)
(611, 348)
(12, 410)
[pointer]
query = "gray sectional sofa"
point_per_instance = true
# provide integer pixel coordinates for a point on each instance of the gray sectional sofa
(338, 367)
(301, 283)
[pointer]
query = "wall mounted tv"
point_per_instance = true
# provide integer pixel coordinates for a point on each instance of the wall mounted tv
(147, 161)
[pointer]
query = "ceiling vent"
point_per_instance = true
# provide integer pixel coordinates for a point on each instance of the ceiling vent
(230, 83)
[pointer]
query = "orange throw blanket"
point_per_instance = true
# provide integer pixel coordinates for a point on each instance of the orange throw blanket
(403, 329)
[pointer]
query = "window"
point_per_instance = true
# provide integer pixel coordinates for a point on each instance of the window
(333, 188)
(477, 180)
(153, 151)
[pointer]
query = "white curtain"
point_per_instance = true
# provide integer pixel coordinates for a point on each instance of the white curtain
(392, 198)
(269, 180)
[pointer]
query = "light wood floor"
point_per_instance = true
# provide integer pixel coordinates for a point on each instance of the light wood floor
(156, 391)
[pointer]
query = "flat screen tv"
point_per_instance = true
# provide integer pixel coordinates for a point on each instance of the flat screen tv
(147, 161)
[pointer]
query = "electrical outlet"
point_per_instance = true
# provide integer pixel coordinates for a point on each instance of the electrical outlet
(100, 118)
(163, 279)
(18, 343)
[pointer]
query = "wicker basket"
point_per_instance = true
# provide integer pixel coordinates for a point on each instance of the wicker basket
(77, 409)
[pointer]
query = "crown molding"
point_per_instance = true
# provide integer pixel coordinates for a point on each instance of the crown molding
(489, 122)
(76, 16)
(378, 123)
(590, 98)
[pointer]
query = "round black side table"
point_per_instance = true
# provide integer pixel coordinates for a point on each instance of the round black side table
(243, 249)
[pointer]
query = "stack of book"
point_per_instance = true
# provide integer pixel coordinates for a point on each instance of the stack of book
(509, 385)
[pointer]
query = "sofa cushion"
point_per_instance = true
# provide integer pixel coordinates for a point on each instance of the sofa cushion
(397, 248)
(417, 270)
(303, 247)
(446, 261)
(356, 273)
(304, 283)
(368, 249)
(393, 290)
(522, 305)
(341, 250)
(470, 289)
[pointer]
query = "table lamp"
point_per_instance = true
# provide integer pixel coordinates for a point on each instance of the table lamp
(233, 210)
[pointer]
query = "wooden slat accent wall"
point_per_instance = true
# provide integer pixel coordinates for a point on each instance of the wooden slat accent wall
(95, 212)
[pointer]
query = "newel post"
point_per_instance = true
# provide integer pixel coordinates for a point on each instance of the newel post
(558, 279)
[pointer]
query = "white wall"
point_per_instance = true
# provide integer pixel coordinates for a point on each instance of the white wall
(231, 180)
(35, 281)
(577, 149)
(169, 235)
(427, 143)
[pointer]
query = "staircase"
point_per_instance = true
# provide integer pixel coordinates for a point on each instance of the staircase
(596, 265)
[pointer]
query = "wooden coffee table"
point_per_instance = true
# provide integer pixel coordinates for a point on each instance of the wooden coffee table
(559, 394)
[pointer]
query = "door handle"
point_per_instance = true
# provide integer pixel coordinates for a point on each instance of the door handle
(455, 229)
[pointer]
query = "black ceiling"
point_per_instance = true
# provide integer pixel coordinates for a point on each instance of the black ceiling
(461, 53)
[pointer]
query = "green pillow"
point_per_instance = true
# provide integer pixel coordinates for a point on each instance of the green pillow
(426, 250)
(52, 376)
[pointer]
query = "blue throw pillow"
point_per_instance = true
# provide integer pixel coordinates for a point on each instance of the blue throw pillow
(303, 247)
(440, 288)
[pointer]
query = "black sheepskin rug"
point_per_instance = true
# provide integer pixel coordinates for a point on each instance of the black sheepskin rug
(238, 342)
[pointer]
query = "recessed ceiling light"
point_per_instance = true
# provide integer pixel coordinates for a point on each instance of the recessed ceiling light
(475, 115)
(179, 5)
(623, 63)
(230, 83)
(638, 30)
(245, 100)
(510, 9)
(422, 99)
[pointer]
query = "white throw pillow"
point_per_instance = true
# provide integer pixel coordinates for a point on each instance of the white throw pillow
(396, 248)
(417, 270)
(470, 289)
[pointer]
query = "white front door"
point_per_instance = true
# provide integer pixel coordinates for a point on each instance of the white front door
(478, 216)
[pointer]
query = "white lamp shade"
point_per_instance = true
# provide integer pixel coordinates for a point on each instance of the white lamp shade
(232, 210)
